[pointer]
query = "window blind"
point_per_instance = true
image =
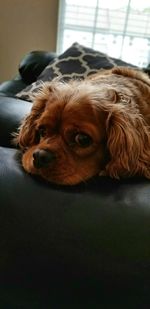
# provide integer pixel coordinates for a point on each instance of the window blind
(119, 28)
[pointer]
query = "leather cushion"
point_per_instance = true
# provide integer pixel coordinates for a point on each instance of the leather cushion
(85, 245)
(12, 111)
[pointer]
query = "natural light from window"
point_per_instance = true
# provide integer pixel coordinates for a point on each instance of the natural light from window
(119, 28)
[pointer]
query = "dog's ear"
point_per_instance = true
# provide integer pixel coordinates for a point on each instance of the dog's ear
(26, 134)
(128, 143)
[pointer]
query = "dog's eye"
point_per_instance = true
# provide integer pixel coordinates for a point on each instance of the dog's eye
(41, 132)
(83, 140)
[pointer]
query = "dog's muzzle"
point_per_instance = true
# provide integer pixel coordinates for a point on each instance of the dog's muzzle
(42, 158)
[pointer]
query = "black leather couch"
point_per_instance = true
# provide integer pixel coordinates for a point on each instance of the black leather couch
(86, 246)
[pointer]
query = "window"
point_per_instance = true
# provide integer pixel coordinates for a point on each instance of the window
(119, 28)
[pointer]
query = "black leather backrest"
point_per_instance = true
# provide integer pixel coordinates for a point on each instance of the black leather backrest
(33, 64)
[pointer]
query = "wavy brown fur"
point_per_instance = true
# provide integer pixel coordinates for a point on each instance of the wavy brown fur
(113, 107)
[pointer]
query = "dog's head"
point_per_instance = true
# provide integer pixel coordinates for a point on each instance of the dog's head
(77, 130)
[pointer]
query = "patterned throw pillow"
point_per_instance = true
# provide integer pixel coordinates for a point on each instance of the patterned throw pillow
(76, 62)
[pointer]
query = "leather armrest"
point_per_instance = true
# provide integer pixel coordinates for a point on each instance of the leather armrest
(33, 64)
(12, 87)
(29, 69)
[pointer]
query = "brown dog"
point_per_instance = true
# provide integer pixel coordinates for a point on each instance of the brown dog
(78, 129)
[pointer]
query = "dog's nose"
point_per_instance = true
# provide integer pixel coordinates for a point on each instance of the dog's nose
(42, 158)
